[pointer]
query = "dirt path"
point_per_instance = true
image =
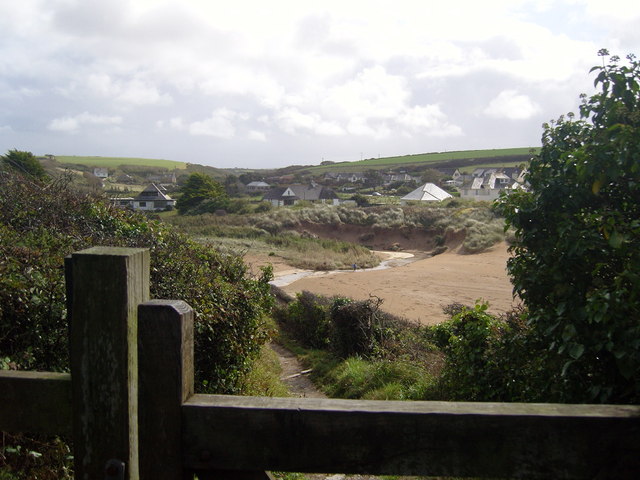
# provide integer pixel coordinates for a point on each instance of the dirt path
(294, 375)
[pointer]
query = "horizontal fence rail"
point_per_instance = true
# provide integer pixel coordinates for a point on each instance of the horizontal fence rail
(35, 402)
(412, 438)
(132, 400)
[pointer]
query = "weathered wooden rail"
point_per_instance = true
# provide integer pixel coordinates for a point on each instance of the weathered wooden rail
(130, 398)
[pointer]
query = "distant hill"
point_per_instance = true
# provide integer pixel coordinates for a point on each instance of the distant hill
(458, 159)
(115, 162)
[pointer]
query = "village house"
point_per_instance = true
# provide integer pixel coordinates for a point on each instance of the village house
(258, 187)
(456, 177)
(487, 183)
(293, 194)
(101, 173)
(390, 178)
(152, 198)
(352, 177)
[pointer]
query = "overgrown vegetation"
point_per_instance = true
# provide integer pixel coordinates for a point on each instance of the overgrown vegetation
(41, 223)
(359, 351)
(575, 265)
(576, 260)
(283, 230)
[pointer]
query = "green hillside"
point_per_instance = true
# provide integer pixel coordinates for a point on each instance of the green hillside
(114, 162)
(457, 159)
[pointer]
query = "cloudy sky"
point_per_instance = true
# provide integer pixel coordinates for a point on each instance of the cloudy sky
(263, 84)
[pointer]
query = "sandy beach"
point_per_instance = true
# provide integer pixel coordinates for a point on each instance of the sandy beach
(417, 290)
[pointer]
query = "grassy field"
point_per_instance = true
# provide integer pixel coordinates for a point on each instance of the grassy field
(113, 162)
(424, 159)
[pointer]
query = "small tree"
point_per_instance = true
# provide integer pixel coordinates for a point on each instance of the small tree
(576, 261)
(23, 162)
(200, 187)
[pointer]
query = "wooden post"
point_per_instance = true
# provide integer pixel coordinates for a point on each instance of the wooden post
(107, 284)
(165, 375)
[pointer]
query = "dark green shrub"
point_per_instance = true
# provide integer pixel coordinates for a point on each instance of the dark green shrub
(500, 359)
(359, 327)
(263, 207)
(576, 257)
(307, 320)
(42, 223)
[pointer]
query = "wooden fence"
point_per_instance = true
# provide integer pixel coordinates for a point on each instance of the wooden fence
(130, 408)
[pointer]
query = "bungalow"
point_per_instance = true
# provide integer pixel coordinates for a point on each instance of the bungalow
(152, 198)
(344, 177)
(399, 177)
(455, 175)
(293, 194)
(258, 187)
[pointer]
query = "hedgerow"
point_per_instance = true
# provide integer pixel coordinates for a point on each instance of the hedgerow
(41, 223)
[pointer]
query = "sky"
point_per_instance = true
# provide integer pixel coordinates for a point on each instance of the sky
(266, 84)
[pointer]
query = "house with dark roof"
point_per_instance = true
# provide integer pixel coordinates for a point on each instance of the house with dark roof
(153, 198)
(284, 196)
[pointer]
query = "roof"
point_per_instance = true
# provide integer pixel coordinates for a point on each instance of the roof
(429, 192)
(152, 192)
(300, 192)
(258, 184)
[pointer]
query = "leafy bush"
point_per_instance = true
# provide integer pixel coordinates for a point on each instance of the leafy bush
(307, 320)
(359, 327)
(42, 223)
(496, 359)
(576, 257)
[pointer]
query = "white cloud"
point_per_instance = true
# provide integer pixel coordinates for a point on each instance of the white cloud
(293, 121)
(257, 136)
(512, 105)
(409, 75)
(131, 92)
(429, 119)
(220, 124)
(372, 93)
(6, 128)
(75, 123)
(362, 127)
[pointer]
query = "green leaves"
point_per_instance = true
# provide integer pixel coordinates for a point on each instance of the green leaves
(199, 188)
(41, 223)
(575, 265)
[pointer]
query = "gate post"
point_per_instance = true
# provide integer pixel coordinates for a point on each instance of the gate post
(165, 357)
(105, 286)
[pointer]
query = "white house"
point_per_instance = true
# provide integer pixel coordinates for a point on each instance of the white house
(258, 187)
(295, 193)
(488, 185)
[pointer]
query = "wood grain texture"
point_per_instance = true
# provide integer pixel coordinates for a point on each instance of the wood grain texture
(107, 286)
(165, 376)
(412, 438)
(35, 402)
